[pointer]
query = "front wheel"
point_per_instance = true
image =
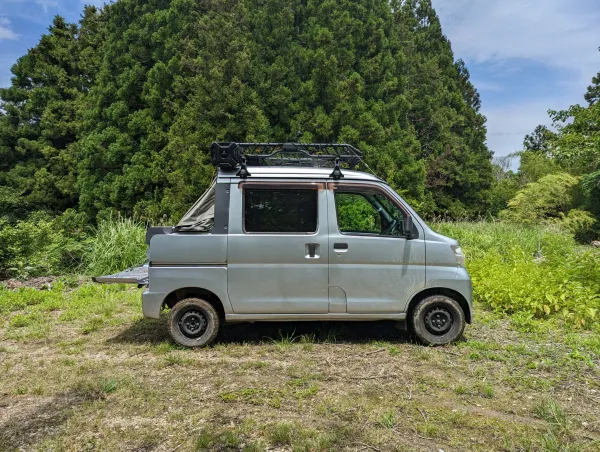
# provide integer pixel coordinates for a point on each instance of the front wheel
(194, 323)
(438, 320)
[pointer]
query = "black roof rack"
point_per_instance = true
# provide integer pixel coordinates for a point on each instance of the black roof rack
(232, 155)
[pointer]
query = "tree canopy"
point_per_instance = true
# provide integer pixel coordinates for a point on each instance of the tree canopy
(116, 113)
(559, 174)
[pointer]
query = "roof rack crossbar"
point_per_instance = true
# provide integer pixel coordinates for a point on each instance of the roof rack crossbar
(231, 155)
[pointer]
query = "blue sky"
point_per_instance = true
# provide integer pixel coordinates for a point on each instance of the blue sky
(525, 56)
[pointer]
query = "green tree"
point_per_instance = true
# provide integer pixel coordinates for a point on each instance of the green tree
(39, 122)
(443, 108)
(117, 113)
(552, 197)
(539, 141)
(592, 96)
(505, 184)
(578, 148)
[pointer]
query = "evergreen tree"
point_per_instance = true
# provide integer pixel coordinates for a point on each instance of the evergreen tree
(593, 91)
(40, 120)
(117, 114)
(539, 141)
(443, 107)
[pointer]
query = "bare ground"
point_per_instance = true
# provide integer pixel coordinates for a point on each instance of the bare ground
(41, 282)
(300, 386)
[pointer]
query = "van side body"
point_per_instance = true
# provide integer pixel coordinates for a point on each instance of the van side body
(347, 268)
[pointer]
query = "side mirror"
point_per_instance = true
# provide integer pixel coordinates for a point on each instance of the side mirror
(408, 228)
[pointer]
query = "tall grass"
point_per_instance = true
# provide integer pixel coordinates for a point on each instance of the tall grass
(117, 244)
(479, 238)
(530, 271)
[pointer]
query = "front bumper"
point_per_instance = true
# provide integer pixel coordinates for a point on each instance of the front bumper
(463, 285)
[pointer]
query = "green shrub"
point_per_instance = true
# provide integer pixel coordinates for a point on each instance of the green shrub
(46, 245)
(530, 271)
(582, 225)
(116, 244)
(41, 245)
(516, 283)
(549, 197)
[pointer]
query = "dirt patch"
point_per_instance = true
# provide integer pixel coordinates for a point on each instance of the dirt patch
(40, 283)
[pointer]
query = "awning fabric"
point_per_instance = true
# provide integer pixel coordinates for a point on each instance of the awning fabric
(201, 216)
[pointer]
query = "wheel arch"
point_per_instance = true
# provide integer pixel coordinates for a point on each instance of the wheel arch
(455, 295)
(194, 292)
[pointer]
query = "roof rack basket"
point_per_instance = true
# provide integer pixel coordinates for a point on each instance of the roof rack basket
(320, 155)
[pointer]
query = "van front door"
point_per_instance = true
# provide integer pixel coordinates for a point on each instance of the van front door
(277, 249)
(370, 259)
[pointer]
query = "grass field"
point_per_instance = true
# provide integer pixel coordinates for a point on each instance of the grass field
(82, 370)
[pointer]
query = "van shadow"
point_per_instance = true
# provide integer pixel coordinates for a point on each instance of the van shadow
(144, 331)
(332, 332)
(155, 331)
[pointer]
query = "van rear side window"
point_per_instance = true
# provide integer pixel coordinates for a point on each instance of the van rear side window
(288, 210)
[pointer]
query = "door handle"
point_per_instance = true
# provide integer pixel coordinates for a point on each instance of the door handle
(340, 247)
(312, 251)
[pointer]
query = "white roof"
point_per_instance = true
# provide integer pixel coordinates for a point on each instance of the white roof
(295, 172)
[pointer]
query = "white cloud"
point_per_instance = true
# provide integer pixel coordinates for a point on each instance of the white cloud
(484, 85)
(6, 32)
(559, 35)
(47, 5)
(99, 3)
(508, 125)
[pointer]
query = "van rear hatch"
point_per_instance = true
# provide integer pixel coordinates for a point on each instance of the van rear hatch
(137, 275)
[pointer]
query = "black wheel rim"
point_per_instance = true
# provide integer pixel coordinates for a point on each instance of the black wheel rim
(438, 321)
(192, 323)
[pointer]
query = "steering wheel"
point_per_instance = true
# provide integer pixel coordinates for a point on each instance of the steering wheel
(392, 228)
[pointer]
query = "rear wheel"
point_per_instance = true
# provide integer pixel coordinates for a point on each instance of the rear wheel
(194, 323)
(438, 320)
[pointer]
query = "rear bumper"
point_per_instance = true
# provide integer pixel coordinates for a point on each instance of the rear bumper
(151, 303)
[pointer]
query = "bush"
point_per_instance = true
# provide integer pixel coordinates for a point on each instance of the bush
(41, 245)
(582, 225)
(530, 271)
(116, 244)
(45, 245)
(550, 197)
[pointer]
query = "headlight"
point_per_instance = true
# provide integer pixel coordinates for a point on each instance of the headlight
(460, 256)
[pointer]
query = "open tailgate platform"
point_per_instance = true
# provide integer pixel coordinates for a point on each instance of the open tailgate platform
(138, 275)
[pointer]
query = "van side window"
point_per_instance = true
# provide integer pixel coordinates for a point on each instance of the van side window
(280, 210)
(368, 212)
(356, 214)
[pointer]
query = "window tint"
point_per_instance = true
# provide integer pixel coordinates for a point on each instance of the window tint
(280, 210)
(368, 213)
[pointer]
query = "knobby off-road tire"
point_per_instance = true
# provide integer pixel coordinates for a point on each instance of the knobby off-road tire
(194, 323)
(438, 320)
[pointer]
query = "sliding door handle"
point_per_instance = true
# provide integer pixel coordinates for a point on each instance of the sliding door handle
(311, 251)
(340, 247)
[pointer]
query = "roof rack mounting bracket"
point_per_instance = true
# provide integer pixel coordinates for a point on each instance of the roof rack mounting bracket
(336, 174)
(243, 172)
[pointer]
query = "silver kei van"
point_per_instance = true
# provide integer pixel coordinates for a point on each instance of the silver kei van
(279, 236)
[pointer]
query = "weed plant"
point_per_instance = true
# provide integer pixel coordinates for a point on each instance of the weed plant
(530, 271)
(117, 244)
